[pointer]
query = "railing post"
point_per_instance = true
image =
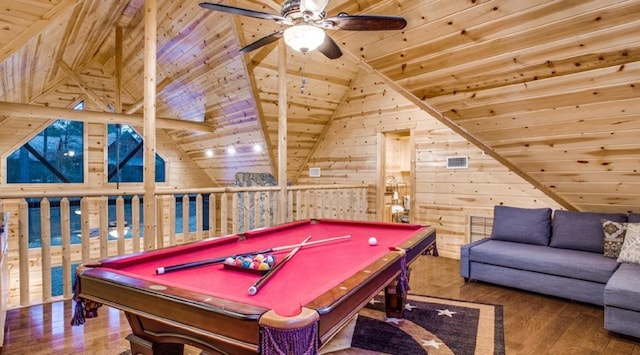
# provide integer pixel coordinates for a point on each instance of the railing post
(212, 215)
(161, 219)
(120, 224)
(289, 216)
(186, 236)
(224, 210)
(246, 216)
(84, 215)
(199, 208)
(65, 230)
(104, 226)
(257, 209)
(234, 213)
(23, 251)
(135, 221)
(173, 240)
(45, 247)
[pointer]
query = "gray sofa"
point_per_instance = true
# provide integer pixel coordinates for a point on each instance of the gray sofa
(563, 257)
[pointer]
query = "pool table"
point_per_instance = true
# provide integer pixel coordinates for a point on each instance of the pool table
(303, 304)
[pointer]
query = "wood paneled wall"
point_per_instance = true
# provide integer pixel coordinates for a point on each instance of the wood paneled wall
(444, 198)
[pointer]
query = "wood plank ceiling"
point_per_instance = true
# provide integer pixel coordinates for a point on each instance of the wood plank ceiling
(551, 87)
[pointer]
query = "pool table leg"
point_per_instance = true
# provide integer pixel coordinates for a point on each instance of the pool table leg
(145, 347)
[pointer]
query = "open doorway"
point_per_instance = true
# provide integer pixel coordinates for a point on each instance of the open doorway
(396, 176)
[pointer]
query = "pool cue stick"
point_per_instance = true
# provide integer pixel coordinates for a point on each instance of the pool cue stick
(256, 286)
(165, 269)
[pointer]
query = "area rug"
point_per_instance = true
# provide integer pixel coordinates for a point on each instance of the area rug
(429, 326)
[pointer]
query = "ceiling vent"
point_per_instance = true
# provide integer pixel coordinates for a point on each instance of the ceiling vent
(457, 162)
(314, 172)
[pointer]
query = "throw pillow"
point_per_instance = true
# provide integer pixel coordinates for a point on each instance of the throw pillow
(630, 251)
(613, 237)
(581, 230)
(522, 225)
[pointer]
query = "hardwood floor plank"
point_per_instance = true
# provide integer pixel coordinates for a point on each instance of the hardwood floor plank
(533, 323)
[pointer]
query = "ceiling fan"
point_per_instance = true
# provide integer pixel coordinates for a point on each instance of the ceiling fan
(307, 21)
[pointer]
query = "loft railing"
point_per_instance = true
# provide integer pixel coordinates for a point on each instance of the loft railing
(50, 233)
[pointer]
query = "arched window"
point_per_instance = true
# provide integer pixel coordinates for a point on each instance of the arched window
(54, 156)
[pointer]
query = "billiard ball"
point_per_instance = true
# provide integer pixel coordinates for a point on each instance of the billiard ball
(373, 241)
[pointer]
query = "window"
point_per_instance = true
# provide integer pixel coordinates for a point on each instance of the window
(126, 156)
(53, 156)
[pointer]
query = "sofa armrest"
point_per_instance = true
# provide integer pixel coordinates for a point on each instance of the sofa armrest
(464, 256)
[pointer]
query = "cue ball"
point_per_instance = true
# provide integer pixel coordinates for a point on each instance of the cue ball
(373, 241)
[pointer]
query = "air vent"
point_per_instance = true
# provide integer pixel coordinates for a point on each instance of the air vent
(457, 162)
(314, 172)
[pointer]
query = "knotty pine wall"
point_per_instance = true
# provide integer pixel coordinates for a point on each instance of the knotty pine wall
(444, 198)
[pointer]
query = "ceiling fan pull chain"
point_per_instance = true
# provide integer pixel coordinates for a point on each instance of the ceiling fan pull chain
(304, 80)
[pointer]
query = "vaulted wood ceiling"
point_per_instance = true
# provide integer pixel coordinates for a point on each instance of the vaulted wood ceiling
(549, 87)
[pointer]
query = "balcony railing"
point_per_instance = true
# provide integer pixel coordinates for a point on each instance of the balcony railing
(50, 233)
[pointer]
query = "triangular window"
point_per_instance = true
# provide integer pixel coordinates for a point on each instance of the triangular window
(53, 156)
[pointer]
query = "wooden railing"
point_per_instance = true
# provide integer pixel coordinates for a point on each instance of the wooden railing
(74, 228)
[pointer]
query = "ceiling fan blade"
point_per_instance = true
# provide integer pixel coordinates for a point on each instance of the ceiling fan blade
(365, 22)
(242, 12)
(262, 42)
(329, 48)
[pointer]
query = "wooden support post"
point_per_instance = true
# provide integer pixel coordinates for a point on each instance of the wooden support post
(282, 132)
(149, 115)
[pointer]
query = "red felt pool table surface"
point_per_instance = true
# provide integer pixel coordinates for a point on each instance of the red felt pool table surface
(316, 292)
(311, 272)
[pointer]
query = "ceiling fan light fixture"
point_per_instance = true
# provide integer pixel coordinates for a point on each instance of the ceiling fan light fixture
(303, 38)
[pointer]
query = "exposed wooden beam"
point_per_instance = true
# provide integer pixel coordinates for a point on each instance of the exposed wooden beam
(461, 131)
(44, 112)
(255, 95)
(35, 28)
(118, 98)
(105, 106)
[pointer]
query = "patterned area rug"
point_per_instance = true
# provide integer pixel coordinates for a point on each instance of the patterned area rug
(430, 326)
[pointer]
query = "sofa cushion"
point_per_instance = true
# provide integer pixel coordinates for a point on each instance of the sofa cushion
(576, 264)
(630, 252)
(634, 218)
(623, 289)
(581, 230)
(523, 225)
(613, 237)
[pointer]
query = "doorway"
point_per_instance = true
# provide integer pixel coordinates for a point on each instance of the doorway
(396, 185)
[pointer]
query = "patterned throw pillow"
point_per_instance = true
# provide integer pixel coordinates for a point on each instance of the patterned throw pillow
(613, 237)
(630, 251)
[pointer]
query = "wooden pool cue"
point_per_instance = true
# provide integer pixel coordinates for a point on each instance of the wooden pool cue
(256, 286)
(165, 269)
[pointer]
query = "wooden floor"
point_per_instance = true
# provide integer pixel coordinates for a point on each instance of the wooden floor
(534, 324)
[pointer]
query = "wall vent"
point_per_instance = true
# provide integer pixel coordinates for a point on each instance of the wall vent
(457, 162)
(314, 172)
